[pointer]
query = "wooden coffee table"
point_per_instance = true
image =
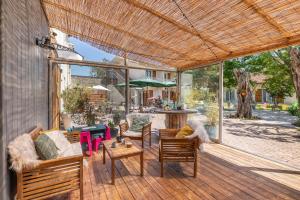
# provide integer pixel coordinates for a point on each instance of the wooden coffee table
(121, 151)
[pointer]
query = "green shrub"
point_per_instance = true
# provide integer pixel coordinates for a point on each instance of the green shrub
(75, 99)
(294, 109)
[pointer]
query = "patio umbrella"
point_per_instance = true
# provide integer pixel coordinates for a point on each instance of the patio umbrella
(170, 84)
(147, 83)
(100, 87)
(124, 84)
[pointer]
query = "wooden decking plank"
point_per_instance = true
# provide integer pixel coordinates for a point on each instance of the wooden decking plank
(286, 191)
(97, 168)
(261, 180)
(195, 190)
(148, 191)
(222, 191)
(291, 180)
(172, 185)
(205, 181)
(110, 190)
(130, 179)
(121, 186)
(223, 173)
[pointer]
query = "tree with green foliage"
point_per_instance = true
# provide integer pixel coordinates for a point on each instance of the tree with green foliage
(75, 99)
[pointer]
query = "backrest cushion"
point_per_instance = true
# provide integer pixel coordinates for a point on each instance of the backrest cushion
(59, 140)
(184, 131)
(45, 147)
(22, 153)
(138, 122)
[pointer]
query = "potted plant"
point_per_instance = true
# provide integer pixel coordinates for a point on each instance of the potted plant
(75, 101)
(113, 129)
(212, 115)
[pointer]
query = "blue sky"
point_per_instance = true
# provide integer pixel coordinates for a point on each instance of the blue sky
(89, 53)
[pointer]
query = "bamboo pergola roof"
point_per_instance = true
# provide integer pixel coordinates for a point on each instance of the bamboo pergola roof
(179, 33)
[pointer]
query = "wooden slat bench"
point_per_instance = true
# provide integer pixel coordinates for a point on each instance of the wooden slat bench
(51, 177)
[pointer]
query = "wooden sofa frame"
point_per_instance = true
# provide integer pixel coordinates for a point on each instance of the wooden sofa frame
(51, 177)
(146, 130)
(177, 150)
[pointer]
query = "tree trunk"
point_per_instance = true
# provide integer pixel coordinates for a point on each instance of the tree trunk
(295, 69)
(244, 94)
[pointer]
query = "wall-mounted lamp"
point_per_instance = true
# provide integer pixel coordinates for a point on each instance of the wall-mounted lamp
(44, 42)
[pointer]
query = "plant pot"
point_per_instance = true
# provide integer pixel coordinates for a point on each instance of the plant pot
(114, 132)
(67, 121)
(211, 130)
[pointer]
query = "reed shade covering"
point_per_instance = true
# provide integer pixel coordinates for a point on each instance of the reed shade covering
(179, 33)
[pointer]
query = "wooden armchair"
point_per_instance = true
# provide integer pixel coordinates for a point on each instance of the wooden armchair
(146, 130)
(51, 177)
(177, 150)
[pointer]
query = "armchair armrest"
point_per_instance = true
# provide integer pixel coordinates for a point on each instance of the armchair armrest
(146, 129)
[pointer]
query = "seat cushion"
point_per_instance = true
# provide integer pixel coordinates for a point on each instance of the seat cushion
(73, 150)
(22, 153)
(45, 147)
(184, 131)
(130, 133)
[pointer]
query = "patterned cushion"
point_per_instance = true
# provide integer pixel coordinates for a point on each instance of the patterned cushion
(132, 134)
(138, 123)
(45, 147)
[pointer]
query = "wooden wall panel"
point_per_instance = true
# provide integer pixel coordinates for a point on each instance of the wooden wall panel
(24, 77)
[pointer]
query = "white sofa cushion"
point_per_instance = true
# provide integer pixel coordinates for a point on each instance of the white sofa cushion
(60, 141)
(132, 134)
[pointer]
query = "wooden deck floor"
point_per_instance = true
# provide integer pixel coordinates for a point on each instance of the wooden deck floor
(223, 173)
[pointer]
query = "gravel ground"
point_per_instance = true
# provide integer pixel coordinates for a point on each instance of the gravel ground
(272, 137)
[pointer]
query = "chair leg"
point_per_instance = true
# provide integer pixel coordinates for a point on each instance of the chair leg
(150, 139)
(142, 142)
(90, 148)
(159, 155)
(161, 168)
(195, 167)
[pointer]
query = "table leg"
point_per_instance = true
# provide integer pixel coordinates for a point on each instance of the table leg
(142, 163)
(103, 154)
(112, 171)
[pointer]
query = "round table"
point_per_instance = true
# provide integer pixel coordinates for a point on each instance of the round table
(175, 119)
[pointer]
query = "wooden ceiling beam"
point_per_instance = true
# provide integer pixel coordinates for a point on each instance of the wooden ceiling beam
(267, 18)
(117, 29)
(182, 27)
(294, 40)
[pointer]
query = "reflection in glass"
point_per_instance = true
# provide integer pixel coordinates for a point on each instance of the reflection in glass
(199, 90)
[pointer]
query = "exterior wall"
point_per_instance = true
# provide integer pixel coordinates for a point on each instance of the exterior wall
(24, 78)
(290, 100)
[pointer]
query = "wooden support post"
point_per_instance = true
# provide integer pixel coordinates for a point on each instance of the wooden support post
(221, 101)
(127, 88)
(178, 86)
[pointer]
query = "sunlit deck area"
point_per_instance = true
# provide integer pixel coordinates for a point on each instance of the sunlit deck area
(223, 173)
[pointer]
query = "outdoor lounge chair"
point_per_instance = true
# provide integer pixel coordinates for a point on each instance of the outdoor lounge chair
(146, 130)
(177, 150)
